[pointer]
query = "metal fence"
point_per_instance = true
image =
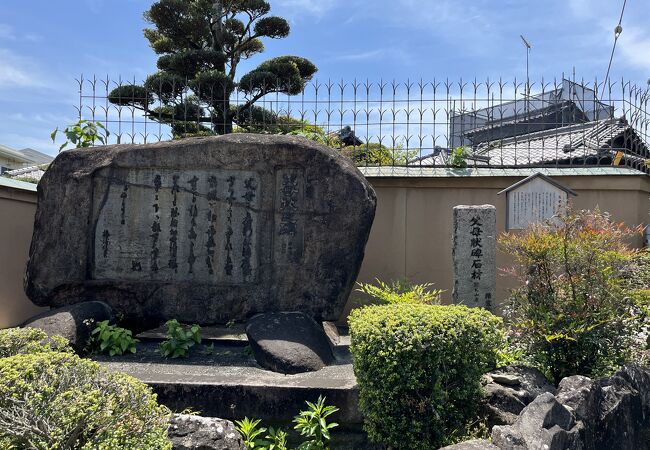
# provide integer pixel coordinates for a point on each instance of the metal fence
(412, 123)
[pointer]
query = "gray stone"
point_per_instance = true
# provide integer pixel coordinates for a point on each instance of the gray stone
(506, 380)
(545, 424)
(582, 395)
(189, 432)
(74, 322)
(225, 381)
(288, 342)
(614, 411)
(509, 389)
(203, 230)
(474, 255)
(474, 444)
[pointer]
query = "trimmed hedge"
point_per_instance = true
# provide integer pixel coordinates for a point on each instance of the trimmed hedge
(419, 367)
(58, 400)
(14, 341)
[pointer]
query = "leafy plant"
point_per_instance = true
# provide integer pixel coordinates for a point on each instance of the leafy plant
(419, 367)
(376, 154)
(277, 438)
(575, 311)
(401, 291)
(112, 339)
(312, 424)
(458, 157)
(82, 134)
(180, 340)
(60, 401)
(252, 433)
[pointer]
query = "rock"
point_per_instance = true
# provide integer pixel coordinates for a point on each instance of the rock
(582, 395)
(75, 322)
(202, 230)
(504, 399)
(474, 444)
(288, 342)
(188, 432)
(614, 411)
(506, 380)
(544, 424)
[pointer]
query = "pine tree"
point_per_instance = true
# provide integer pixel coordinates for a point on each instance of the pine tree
(201, 44)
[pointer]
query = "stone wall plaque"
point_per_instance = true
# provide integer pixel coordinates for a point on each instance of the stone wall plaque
(201, 230)
(474, 255)
(533, 200)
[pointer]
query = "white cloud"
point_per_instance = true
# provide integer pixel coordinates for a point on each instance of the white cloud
(634, 46)
(16, 71)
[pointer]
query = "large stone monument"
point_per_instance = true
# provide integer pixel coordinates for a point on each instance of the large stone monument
(203, 230)
(474, 255)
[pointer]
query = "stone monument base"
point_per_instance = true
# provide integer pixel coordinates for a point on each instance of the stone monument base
(221, 379)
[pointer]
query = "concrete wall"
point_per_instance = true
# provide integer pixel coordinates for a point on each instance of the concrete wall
(17, 208)
(410, 238)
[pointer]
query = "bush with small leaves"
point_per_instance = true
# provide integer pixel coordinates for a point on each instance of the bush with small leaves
(112, 339)
(14, 341)
(401, 291)
(419, 368)
(60, 401)
(179, 340)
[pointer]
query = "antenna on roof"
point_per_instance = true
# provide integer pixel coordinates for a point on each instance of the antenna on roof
(528, 47)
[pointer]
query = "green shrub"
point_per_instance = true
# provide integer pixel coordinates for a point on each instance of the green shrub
(419, 369)
(376, 154)
(458, 157)
(401, 291)
(112, 339)
(576, 311)
(60, 401)
(14, 341)
(179, 340)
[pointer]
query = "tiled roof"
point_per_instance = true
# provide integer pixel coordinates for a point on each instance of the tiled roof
(589, 143)
(599, 140)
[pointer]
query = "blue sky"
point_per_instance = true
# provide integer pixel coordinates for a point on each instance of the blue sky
(45, 45)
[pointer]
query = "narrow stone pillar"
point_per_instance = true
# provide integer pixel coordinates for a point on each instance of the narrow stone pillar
(474, 255)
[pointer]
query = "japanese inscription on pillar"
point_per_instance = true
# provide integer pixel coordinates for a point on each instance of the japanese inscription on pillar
(474, 255)
(171, 225)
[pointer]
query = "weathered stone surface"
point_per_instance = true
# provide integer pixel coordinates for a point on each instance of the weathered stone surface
(544, 424)
(474, 255)
(187, 432)
(201, 230)
(614, 411)
(74, 322)
(288, 342)
(509, 389)
(474, 444)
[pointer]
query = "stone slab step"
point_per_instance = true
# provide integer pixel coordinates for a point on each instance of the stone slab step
(225, 381)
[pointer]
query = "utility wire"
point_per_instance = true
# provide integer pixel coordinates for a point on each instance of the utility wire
(617, 32)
